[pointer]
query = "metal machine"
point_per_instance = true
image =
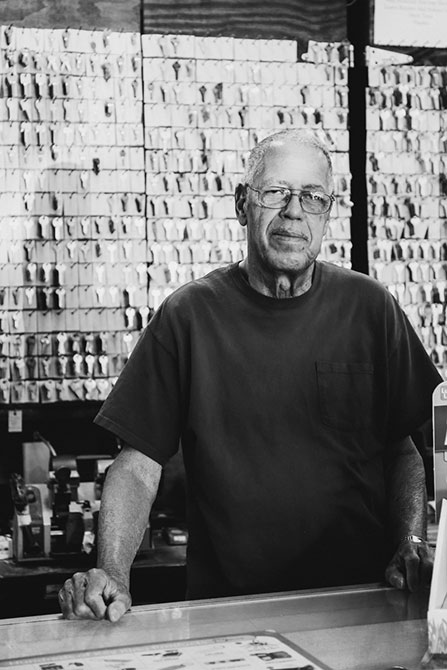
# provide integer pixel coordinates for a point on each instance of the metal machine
(56, 507)
(56, 518)
(31, 533)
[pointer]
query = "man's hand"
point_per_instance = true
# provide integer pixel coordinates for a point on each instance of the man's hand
(411, 566)
(94, 595)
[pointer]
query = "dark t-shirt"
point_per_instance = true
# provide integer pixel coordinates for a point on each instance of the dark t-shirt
(284, 409)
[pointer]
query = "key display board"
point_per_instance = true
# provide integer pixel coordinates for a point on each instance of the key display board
(407, 194)
(119, 155)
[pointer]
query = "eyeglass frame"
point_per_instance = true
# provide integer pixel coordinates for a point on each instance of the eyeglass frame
(294, 192)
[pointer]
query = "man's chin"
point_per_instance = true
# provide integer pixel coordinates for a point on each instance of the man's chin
(293, 263)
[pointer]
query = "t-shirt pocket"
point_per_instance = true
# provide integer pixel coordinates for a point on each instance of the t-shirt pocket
(345, 394)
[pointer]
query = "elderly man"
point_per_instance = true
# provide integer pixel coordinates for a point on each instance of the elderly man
(294, 387)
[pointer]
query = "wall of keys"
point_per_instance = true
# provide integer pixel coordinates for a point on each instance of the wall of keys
(407, 193)
(118, 161)
(72, 266)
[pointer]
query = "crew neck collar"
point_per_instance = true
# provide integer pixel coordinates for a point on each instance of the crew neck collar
(240, 280)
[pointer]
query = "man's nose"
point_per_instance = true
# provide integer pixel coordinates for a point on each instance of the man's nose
(293, 208)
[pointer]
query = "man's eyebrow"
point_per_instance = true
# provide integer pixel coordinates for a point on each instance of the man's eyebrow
(312, 187)
(306, 187)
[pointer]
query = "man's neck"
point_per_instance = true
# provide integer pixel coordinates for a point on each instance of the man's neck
(279, 284)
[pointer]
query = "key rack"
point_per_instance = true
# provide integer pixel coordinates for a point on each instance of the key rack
(120, 155)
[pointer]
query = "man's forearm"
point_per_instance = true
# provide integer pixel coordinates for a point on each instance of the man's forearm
(125, 506)
(406, 492)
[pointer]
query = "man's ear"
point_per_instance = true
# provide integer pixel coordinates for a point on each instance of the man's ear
(240, 203)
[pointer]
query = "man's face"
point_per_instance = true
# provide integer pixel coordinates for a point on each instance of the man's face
(287, 239)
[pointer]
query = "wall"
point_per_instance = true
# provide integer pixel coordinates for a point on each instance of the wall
(99, 14)
(301, 20)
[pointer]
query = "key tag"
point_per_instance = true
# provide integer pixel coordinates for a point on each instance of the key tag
(91, 391)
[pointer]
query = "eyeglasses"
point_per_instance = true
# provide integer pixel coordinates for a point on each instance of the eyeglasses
(277, 197)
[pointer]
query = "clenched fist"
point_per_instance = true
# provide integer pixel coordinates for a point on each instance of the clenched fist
(94, 595)
(411, 566)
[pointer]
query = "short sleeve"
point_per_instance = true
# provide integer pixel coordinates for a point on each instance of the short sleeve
(144, 407)
(412, 379)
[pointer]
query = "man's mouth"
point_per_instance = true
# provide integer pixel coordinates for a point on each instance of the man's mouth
(290, 235)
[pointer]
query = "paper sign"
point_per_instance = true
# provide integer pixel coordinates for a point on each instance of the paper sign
(15, 421)
(412, 23)
(264, 651)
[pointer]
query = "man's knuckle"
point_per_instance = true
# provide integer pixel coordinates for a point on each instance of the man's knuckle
(88, 598)
(96, 573)
(91, 599)
(413, 559)
(79, 609)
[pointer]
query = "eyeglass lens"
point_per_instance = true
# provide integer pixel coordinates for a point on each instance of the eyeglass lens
(312, 202)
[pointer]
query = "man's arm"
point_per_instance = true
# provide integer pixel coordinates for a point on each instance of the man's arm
(412, 563)
(129, 491)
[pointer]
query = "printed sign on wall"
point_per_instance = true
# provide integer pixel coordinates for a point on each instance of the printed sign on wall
(411, 23)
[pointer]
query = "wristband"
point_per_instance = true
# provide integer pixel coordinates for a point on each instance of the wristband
(413, 538)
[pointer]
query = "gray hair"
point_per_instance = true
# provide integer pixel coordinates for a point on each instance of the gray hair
(297, 135)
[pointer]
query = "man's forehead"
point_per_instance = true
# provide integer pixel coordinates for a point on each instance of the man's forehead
(285, 154)
(292, 147)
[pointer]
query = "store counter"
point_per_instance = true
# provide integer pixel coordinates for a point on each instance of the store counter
(370, 627)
